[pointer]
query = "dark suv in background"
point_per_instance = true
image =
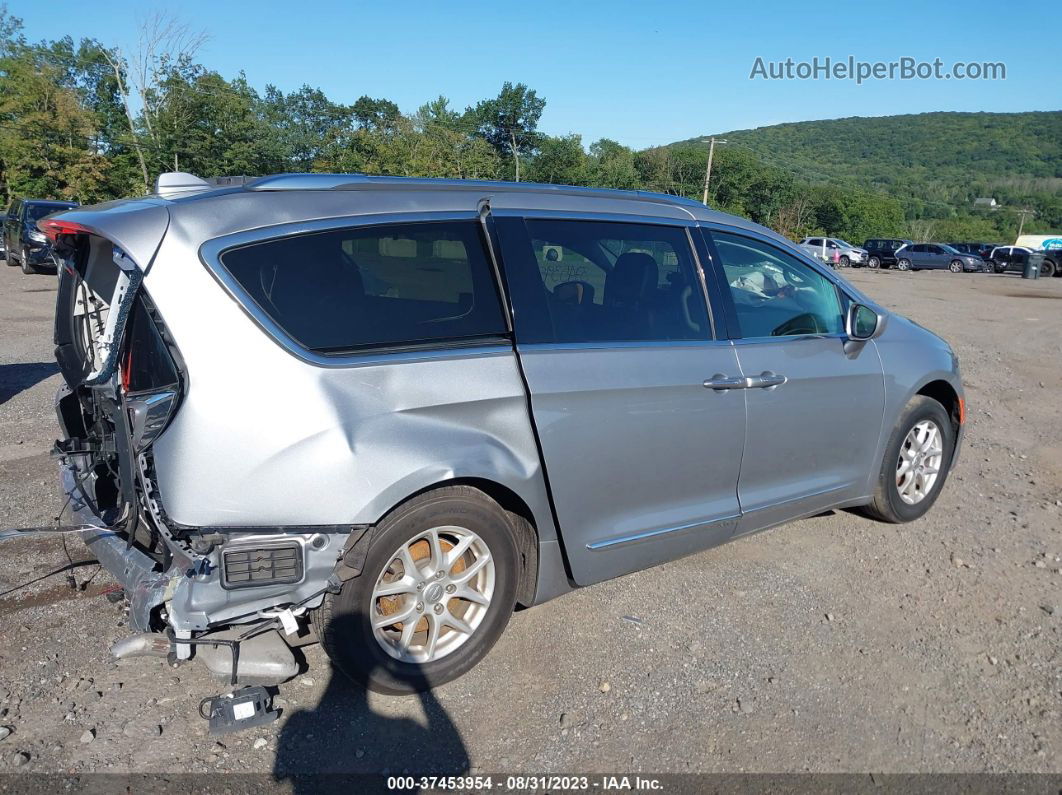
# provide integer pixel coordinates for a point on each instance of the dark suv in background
(982, 250)
(22, 240)
(1013, 258)
(881, 252)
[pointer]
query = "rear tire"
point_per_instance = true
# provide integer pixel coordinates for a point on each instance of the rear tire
(1047, 268)
(873, 262)
(888, 504)
(344, 620)
(903, 264)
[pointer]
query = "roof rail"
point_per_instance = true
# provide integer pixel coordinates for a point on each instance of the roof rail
(279, 182)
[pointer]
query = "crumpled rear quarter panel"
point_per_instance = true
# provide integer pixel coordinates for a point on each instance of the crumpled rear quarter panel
(263, 438)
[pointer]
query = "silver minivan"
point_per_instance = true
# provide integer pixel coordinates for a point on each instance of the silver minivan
(382, 412)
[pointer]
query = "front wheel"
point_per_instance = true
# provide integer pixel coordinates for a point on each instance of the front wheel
(903, 264)
(436, 591)
(916, 463)
(845, 261)
(873, 262)
(955, 266)
(27, 268)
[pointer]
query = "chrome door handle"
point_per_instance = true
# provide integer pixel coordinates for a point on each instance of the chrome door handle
(766, 380)
(720, 382)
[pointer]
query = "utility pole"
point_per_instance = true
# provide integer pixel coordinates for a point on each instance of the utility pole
(1021, 216)
(708, 170)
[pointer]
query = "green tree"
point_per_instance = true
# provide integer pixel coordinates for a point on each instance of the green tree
(560, 160)
(305, 126)
(378, 115)
(47, 138)
(509, 122)
(612, 165)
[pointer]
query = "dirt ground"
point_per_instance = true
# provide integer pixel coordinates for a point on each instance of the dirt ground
(832, 644)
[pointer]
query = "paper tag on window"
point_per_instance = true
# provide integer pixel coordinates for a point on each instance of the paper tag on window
(291, 625)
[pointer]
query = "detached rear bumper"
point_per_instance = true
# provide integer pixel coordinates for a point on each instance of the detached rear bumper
(145, 586)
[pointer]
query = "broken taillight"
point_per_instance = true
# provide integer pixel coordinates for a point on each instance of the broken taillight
(149, 414)
(149, 376)
(55, 227)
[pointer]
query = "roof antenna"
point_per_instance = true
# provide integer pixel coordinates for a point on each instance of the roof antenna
(175, 183)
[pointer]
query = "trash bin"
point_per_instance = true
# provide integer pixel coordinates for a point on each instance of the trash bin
(1033, 262)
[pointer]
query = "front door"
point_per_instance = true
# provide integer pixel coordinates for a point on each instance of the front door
(10, 223)
(616, 344)
(814, 409)
(937, 257)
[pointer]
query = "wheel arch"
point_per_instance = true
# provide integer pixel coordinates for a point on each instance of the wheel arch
(523, 524)
(945, 394)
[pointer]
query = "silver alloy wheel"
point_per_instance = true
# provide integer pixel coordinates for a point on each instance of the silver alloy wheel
(919, 462)
(903, 264)
(433, 594)
(873, 262)
(956, 266)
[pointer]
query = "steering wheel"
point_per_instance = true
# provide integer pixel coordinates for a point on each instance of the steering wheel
(807, 323)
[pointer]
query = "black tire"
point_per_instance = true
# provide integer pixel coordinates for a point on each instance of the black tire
(343, 623)
(27, 269)
(845, 261)
(887, 506)
(955, 266)
(1047, 269)
(903, 264)
(997, 267)
(874, 262)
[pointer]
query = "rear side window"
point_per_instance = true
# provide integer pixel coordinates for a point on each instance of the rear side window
(604, 281)
(375, 286)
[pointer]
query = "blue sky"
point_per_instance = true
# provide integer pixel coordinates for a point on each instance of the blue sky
(643, 73)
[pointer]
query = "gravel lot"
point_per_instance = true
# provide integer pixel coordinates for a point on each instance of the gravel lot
(832, 644)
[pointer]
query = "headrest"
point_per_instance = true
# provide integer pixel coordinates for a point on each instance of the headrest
(633, 279)
(576, 292)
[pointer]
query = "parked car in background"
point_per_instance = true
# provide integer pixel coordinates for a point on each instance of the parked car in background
(982, 250)
(23, 241)
(419, 402)
(935, 256)
(1013, 258)
(834, 251)
(881, 251)
(1052, 264)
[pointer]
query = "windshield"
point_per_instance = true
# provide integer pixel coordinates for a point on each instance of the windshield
(36, 212)
(949, 249)
(842, 243)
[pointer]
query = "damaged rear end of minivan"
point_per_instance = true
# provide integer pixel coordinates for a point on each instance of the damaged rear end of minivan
(191, 591)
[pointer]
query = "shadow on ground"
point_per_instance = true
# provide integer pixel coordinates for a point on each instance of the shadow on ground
(320, 748)
(15, 378)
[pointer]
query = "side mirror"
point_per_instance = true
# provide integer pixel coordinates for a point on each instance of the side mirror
(863, 323)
